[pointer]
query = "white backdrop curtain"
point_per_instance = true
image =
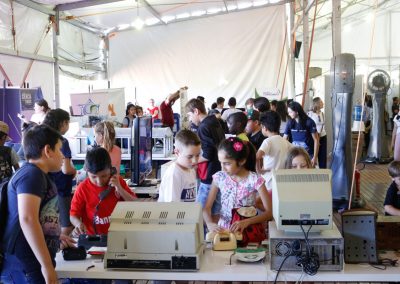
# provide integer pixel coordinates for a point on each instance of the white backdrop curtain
(227, 55)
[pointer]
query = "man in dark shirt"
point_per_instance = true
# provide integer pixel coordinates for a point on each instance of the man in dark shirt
(167, 115)
(253, 129)
(211, 134)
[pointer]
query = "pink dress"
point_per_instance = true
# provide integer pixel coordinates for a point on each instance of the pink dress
(236, 194)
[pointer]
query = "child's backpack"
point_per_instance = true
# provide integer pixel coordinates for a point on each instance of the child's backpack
(3, 216)
(5, 163)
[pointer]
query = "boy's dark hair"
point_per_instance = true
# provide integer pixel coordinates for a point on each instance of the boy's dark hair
(187, 138)
(232, 102)
(239, 150)
(262, 104)
(97, 160)
(36, 138)
(43, 103)
(394, 169)
(239, 121)
(220, 100)
(214, 105)
(195, 103)
(271, 121)
(55, 118)
(274, 103)
(201, 98)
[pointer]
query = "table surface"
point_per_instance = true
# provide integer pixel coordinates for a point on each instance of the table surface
(215, 267)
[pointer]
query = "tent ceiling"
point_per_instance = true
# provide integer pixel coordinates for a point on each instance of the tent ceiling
(113, 15)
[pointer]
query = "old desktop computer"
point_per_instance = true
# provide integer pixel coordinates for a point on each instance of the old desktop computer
(303, 236)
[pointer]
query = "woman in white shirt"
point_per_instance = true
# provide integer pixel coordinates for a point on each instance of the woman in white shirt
(396, 137)
(319, 118)
(41, 109)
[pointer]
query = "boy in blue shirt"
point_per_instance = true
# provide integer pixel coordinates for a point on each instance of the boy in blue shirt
(32, 233)
(392, 200)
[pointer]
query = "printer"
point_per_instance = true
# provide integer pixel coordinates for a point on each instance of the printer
(165, 236)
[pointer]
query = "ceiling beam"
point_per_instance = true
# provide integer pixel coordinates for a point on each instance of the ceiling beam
(83, 4)
(36, 6)
(152, 11)
(226, 6)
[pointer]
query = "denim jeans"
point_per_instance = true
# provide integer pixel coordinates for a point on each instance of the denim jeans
(16, 271)
(202, 195)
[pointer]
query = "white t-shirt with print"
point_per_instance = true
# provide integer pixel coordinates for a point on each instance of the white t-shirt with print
(276, 149)
(177, 185)
(319, 120)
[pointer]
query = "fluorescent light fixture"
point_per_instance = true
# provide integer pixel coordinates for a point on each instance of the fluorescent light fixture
(198, 13)
(123, 27)
(213, 11)
(138, 23)
(151, 21)
(260, 3)
(244, 5)
(183, 16)
(167, 19)
(232, 7)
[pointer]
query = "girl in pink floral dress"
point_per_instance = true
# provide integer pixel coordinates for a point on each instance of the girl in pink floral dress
(239, 185)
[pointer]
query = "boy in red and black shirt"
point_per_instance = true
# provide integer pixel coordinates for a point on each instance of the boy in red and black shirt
(97, 196)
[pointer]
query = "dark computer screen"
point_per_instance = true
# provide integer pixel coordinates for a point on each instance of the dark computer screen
(141, 163)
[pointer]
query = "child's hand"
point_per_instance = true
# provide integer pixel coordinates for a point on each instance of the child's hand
(66, 241)
(114, 182)
(239, 226)
(215, 228)
(79, 230)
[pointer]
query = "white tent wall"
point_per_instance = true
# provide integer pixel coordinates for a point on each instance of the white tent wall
(356, 39)
(227, 55)
(30, 27)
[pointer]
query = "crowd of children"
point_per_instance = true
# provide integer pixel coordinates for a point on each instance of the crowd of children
(223, 174)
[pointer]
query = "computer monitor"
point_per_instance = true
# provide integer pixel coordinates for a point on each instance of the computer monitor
(302, 197)
(141, 162)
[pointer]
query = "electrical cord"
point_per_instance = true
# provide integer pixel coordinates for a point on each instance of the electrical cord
(310, 260)
(280, 267)
(384, 263)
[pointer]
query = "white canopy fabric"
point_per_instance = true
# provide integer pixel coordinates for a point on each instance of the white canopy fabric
(228, 55)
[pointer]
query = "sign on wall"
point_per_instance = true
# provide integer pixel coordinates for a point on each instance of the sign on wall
(108, 102)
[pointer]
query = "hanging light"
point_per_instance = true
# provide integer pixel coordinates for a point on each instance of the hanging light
(138, 23)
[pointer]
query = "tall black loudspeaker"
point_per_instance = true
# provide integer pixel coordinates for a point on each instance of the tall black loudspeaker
(297, 49)
(359, 233)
